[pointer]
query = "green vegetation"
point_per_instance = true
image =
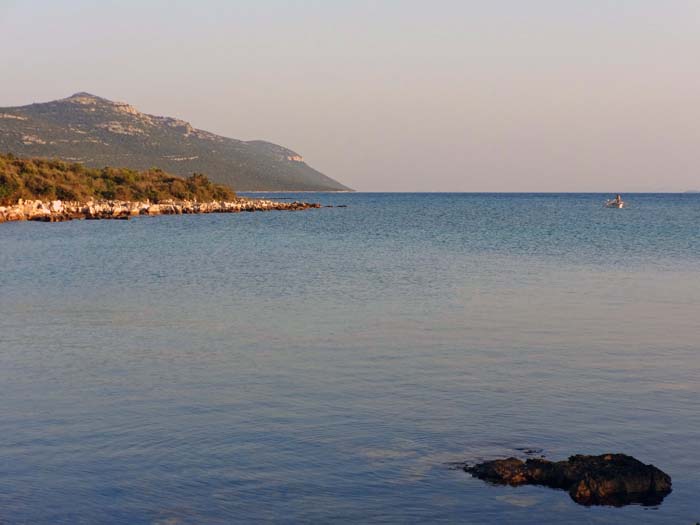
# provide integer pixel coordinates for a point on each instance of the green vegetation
(55, 179)
(98, 132)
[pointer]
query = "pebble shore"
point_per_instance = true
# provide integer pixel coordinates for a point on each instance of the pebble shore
(58, 211)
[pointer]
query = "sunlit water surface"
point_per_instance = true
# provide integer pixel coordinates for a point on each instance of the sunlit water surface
(332, 364)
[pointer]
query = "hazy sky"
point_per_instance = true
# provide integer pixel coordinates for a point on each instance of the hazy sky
(395, 95)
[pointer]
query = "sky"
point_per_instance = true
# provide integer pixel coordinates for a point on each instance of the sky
(394, 95)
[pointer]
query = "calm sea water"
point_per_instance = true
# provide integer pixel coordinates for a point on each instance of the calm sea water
(331, 365)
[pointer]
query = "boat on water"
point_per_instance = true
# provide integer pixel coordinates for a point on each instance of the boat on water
(617, 202)
(613, 204)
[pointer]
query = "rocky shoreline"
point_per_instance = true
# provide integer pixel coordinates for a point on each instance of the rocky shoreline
(58, 211)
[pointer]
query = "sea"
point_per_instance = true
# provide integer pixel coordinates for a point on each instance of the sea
(340, 365)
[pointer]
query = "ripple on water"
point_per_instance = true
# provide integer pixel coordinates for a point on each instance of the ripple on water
(334, 365)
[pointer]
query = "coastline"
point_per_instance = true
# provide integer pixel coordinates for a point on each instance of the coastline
(59, 211)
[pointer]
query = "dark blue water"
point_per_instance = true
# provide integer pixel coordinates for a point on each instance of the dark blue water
(330, 365)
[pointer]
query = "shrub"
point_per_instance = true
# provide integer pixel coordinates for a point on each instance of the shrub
(51, 179)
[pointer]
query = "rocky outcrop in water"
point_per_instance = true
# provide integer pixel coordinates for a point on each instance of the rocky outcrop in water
(609, 479)
(56, 211)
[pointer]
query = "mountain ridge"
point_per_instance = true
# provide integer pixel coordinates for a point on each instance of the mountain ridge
(99, 132)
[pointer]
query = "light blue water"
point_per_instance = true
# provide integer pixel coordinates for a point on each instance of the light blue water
(331, 364)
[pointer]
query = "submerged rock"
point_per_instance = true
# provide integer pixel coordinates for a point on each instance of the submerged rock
(609, 479)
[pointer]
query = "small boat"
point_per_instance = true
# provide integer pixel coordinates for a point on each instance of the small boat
(614, 204)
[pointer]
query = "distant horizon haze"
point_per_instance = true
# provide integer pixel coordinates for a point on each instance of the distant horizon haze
(455, 96)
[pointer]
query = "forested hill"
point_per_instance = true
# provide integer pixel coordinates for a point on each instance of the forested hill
(98, 132)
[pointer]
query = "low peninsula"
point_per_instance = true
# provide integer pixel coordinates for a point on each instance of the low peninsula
(54, 190)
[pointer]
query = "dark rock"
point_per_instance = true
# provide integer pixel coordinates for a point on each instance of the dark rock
(530, 451)
(610, 479)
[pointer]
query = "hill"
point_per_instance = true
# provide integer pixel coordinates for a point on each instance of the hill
(97, 132)
(46, 180)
